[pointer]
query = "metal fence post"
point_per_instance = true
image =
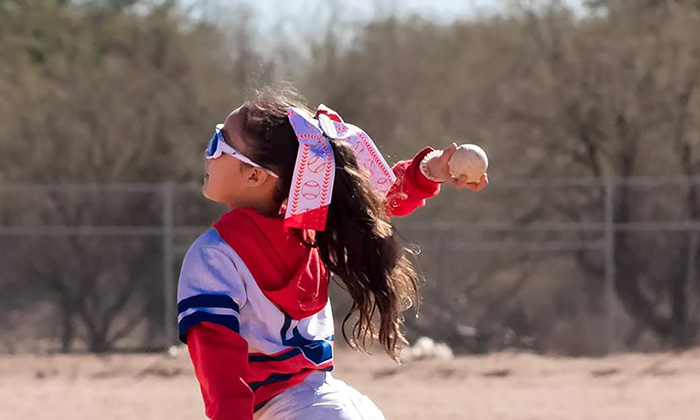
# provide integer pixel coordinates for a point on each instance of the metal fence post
(609, 249)
(168, 190)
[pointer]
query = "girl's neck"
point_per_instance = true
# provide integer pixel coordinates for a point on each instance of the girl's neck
(265, 209)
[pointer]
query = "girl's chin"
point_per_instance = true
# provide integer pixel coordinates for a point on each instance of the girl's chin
(205, 190)
(209, 196)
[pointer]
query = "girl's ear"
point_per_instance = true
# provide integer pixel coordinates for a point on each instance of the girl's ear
(257, 177)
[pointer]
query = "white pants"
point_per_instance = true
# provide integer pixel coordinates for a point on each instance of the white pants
(320, 397)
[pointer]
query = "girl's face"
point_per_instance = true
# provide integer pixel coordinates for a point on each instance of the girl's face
(229, 181)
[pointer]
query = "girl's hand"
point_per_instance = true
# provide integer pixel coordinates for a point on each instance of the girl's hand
(472, 186)
(439, 168)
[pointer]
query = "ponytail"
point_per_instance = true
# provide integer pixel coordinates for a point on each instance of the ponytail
(360, 246)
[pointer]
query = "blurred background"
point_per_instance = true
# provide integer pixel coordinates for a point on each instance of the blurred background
(585, 244)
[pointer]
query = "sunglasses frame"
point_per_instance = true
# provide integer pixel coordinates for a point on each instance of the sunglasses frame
(218, 143)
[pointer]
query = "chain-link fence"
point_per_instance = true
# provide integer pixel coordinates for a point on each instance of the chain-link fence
(575, 266)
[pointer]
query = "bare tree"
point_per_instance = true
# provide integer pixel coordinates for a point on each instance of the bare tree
(95, 92)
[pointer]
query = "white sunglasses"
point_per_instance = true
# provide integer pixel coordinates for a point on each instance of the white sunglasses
(217, 146)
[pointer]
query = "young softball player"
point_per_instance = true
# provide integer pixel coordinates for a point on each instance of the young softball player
(310, 196)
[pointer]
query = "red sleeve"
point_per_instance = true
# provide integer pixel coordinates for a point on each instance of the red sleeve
(411, 188)
(220, 359)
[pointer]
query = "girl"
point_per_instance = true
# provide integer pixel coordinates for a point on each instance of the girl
(310, 196)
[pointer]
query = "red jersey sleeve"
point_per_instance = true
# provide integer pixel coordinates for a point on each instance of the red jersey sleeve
(411, 188)
(220, 359)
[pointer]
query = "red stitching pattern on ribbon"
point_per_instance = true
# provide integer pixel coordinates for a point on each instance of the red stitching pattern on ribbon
(300, 175)
(373, 154)
(327, 174)
(307, 136)
(340, 128)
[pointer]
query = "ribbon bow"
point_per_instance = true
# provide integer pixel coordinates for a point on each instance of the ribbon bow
(314, 173)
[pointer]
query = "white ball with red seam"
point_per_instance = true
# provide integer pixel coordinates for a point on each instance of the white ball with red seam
(469, 160)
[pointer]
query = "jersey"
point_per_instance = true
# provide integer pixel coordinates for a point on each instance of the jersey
(216, 286)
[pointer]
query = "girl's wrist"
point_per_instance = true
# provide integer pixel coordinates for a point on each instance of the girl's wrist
(425, 166)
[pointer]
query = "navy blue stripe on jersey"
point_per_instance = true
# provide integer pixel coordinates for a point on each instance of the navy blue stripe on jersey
(273, 379)
(230, 321)
(207, 301)
(279, 377)
(277, 358)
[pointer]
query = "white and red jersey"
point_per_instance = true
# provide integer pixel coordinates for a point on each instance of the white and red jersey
(217, 286)
(253, 303)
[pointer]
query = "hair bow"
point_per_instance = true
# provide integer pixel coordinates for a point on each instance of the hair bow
(314, 172)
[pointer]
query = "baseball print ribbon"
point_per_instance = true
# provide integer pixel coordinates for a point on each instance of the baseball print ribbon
(314, 173)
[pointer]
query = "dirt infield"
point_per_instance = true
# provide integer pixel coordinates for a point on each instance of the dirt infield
(495, 387)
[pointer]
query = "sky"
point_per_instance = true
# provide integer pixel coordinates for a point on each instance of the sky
(269, 15)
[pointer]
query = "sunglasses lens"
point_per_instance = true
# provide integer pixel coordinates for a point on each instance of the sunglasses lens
(211, 148)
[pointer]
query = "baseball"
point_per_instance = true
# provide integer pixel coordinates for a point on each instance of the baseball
(469, 160)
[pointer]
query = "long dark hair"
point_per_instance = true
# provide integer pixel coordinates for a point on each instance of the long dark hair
(359, 244)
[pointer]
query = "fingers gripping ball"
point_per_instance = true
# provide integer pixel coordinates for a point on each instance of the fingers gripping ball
(469, 160)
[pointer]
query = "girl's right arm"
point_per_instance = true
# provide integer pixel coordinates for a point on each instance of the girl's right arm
(210, 296)
(412, 188)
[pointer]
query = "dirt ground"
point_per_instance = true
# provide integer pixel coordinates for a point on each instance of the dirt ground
(500, 386)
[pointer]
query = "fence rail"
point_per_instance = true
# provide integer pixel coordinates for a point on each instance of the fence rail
(169, 232)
